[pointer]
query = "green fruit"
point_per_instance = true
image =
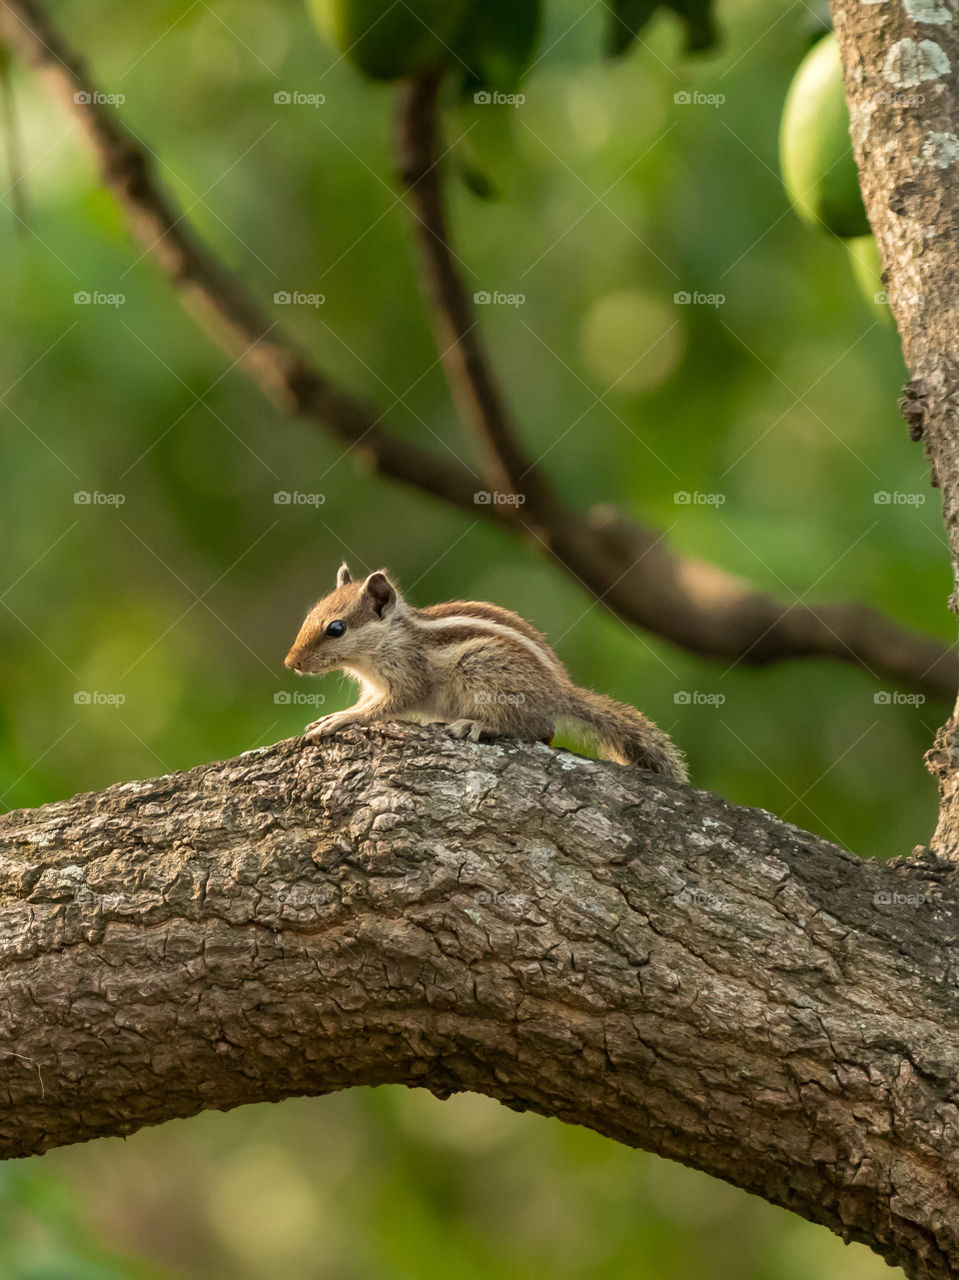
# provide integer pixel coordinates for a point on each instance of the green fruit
(497, 41)
(815, 152)
(867, 271)
(389, 39)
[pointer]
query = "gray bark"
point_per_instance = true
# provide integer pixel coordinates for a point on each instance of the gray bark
(568, 936)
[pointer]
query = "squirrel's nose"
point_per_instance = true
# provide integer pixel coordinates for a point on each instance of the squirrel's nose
(290, 660)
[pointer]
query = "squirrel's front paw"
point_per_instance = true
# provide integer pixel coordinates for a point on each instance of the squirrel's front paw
(330, 724)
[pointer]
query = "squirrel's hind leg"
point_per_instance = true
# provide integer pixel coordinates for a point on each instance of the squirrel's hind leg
(472, 730)
(497, 695)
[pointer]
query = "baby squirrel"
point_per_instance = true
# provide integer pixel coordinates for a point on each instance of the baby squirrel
(479, 668)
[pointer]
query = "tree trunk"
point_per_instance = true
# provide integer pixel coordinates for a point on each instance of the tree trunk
(568, 936)
(899, 65)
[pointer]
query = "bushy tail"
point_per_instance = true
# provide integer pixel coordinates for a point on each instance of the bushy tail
(623, 734)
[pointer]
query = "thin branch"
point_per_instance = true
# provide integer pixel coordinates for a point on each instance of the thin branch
(468, 368)
(696, 605)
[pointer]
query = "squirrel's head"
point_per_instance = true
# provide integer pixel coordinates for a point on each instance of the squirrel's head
(346, 627)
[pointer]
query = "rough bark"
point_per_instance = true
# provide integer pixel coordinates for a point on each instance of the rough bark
(567, 936)
(899, 65)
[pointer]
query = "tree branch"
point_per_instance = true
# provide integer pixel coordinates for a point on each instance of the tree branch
(567, 936)
(696, 605)
(467, 365)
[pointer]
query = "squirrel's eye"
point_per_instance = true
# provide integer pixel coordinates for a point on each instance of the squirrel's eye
(336, 628)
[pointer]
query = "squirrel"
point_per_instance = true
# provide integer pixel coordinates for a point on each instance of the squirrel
(480, 669)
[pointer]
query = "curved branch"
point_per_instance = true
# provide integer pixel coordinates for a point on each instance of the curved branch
(564, 935)
(696, 605)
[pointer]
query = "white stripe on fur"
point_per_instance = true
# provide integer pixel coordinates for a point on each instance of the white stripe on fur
(457, 621)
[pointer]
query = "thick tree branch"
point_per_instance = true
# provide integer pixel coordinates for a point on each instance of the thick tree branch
(899, 64)
(696, 605)
(567, 936)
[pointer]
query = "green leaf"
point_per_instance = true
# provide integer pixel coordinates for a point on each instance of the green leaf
(477, 180)
(627, 18)
(497, 41)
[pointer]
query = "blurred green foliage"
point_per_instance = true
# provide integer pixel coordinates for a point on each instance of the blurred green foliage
(623, 185)
(43, 1235)
(389, 1184)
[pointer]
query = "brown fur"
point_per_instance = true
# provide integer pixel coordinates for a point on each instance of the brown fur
(478, 680)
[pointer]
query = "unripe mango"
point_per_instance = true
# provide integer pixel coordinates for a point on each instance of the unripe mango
(815, 151)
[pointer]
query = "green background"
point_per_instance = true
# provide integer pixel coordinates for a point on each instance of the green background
(782, 400)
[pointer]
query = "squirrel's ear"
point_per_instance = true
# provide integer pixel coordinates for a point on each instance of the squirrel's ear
(381, 591)
(343, 575)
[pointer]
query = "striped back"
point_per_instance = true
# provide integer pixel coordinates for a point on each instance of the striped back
(459, 621)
